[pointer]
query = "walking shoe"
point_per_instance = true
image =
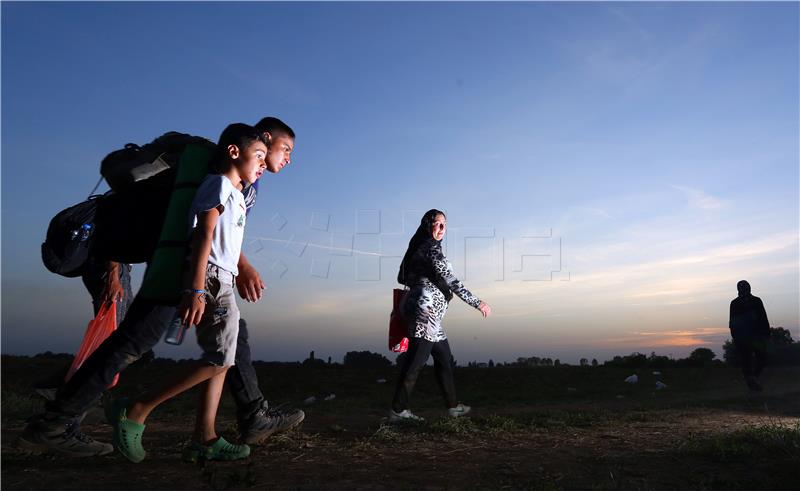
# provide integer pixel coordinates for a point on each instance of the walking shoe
(267, 421)
(404, 415)
(458, 411)
(753, 384)
(66, 439)
(127, 434)
(219, 450)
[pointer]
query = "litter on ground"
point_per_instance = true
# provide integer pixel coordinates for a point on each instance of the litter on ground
(632, 379)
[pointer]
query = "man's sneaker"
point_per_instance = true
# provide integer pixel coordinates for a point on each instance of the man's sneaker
(753, 384)
(67, 439)
(267, 421)
(458, 411)
(404, 415)
(219, 450)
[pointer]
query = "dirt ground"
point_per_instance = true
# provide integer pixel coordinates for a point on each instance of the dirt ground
(531, 428)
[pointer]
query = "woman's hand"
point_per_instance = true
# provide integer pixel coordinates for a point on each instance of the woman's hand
(192, 307)
(485, 309)
(112, 291)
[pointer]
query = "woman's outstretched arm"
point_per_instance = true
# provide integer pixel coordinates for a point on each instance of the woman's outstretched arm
(442, 269)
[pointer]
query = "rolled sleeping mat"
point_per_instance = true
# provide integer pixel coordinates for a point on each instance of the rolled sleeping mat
(163, 279)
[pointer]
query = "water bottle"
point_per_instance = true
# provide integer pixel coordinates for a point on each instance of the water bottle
(176, 330)
(82, 233)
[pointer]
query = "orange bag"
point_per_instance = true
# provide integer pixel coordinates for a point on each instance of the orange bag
(398, 329)
(97, 331)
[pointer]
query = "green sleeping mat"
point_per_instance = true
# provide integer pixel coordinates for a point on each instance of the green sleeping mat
(163, 280)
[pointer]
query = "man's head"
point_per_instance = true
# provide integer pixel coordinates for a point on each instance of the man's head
(280, 142)
(743, 287)
(243, 147)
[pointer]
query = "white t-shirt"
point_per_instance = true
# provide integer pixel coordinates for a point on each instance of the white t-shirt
(226, 243)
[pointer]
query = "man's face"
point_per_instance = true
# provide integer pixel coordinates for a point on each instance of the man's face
(280, 152)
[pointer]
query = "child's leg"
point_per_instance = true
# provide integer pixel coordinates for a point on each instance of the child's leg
(142, 408)
(205, 425)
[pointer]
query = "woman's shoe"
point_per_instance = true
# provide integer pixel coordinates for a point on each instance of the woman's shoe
(458, 411)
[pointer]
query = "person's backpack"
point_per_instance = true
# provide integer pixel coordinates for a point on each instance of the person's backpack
(65, 249)
(131, 164)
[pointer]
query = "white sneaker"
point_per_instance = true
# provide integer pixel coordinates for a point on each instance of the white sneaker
(458, 411)
(404, 415)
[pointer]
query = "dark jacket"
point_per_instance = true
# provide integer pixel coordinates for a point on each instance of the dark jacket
(748, 318)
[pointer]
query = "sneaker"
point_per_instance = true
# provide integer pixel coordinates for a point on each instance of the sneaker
(404, 415)
(127, 434)
(458, 411)
(753, 384)
(219, 450)
(267, 421)
(65, 439)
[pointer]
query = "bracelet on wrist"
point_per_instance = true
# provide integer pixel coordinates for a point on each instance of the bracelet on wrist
(193, 291)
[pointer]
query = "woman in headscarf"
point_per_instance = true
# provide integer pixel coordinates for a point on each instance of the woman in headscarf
(428, 274)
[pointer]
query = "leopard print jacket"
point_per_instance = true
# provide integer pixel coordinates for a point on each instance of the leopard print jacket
(425, 305)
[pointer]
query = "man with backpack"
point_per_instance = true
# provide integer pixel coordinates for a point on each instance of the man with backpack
(58, 428)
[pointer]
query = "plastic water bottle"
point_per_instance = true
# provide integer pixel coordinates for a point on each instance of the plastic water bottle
(83, 233)
(175, 331)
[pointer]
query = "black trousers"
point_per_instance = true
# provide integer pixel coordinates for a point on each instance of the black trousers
(752, 353)
(419, 350)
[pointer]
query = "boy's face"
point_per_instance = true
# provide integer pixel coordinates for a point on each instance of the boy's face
(280, 151)
(251, 163)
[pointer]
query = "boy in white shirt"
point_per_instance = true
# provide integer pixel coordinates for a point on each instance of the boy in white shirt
(218, 215)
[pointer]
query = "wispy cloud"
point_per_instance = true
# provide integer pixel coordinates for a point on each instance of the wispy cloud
(700, 200)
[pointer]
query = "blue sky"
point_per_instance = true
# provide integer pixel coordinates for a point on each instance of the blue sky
(609, 170)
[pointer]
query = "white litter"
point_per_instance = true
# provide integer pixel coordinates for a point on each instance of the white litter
(381, 380)
(632, 379)
(330, 397)
(660, 385)
(310, 400)
(656, 373)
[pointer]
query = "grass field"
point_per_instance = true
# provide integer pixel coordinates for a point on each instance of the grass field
(531, 428)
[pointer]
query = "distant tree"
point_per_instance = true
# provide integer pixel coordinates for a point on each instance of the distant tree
(702, 356)
(365, 359)
(491, 363)
(401, 358)
(329, 360)
(311, 355)
(594, 362)
(780, 337)
(557, 363)
(584, 362)
(730, 354)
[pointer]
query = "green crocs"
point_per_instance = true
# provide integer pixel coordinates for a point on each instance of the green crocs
(219, 450)
(127, 434)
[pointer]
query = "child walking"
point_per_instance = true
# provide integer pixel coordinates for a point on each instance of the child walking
(218, 218)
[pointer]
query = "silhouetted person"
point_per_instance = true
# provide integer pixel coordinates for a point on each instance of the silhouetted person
(750, 331)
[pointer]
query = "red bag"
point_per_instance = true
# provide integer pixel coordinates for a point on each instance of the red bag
(398, 329)
(97, 331)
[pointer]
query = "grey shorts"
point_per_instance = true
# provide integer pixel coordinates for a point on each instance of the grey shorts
(219, 328)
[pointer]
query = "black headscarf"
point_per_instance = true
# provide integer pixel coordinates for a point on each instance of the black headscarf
(423, 239)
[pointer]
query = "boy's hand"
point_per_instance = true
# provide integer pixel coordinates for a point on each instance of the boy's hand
(192, 307)
(249, 283)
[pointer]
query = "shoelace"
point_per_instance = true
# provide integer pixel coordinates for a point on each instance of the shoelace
(73, 431)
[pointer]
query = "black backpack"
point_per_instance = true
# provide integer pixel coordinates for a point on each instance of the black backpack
(131, 164)
(65, 249)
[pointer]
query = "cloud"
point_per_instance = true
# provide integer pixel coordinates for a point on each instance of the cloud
(700, 200)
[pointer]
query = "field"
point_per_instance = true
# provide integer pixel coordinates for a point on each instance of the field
(531, 428)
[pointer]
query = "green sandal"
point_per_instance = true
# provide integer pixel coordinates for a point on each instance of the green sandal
(127, 434)
(219, 450)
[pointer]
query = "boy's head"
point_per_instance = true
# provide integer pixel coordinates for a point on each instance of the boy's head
(280, 141)
(243, 147)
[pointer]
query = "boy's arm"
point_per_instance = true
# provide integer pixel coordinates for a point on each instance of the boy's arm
(193, 304)
(249, 282)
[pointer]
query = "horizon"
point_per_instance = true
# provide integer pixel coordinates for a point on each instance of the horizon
(609, 171)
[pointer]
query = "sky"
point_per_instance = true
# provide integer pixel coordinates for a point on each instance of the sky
(609, 170)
